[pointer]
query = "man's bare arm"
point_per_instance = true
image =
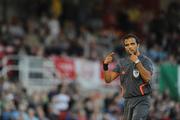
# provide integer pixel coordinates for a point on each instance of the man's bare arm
(109, 76)
(145, 74)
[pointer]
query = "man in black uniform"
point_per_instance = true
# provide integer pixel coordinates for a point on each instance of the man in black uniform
(135, 71)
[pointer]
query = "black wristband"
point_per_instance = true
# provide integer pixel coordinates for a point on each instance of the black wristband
(105, 67)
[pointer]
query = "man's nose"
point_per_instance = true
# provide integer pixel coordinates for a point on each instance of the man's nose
(130, 46)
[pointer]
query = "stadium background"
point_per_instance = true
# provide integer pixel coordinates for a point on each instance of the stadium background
(51, 53)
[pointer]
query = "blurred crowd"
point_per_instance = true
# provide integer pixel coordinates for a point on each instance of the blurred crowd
(88, 32)
(66, 102)
(93, 31)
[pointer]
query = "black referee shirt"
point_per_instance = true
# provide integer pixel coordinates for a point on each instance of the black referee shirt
(130, 78)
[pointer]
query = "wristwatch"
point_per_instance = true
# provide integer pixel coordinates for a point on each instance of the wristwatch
(137, 61)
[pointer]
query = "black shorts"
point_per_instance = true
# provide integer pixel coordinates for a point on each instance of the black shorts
(137, 108)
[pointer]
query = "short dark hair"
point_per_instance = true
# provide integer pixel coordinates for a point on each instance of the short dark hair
(130, 35)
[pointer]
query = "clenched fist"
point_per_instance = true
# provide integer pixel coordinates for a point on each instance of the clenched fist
(109, 58)
(133, 57)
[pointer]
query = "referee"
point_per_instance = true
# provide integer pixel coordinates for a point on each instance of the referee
(135, 71)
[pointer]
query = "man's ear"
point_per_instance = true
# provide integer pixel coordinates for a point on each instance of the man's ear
(138, 46)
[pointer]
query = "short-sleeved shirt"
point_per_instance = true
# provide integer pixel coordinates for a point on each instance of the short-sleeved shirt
(130, 78)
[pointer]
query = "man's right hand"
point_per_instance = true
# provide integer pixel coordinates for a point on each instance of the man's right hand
(109, 58)
(109, 75)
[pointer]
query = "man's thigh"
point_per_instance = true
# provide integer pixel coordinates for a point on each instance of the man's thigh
(128, 111)
(140, 112)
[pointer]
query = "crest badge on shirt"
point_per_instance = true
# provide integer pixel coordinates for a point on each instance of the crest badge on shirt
(135, 73)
